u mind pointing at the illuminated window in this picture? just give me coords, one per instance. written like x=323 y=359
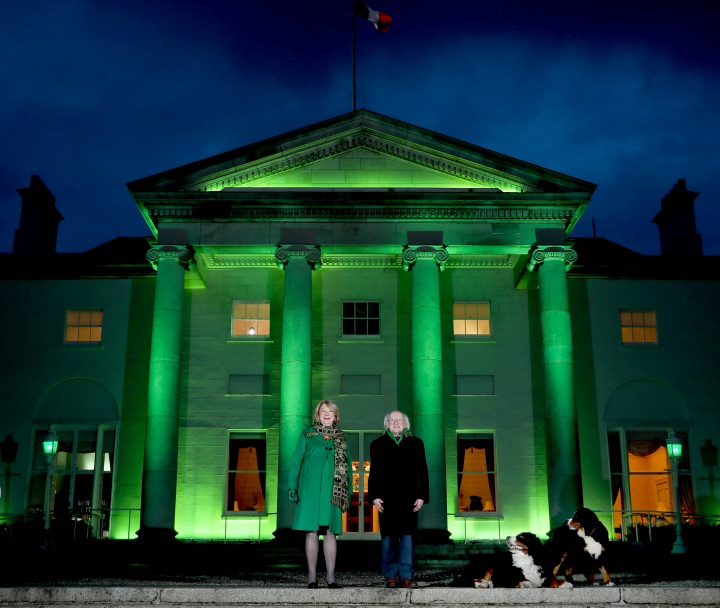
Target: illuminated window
x=471 y=318
x=82 y=477
x=638 y=326
x=83 y=326
x=642 y=486
x=361 y=318
x=476 y=472
x=246 y=473
x=251 y=318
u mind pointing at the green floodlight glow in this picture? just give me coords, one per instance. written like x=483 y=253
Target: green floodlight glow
x=674 y=447
x=50 y=444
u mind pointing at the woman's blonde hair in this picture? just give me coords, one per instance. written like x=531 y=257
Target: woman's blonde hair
x=332 y=406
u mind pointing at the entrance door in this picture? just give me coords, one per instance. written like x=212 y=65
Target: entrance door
x=361 y=521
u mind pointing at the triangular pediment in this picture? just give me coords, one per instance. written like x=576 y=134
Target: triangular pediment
x=361 y=150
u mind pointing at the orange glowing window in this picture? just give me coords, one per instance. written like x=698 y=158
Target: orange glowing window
x=250 y=318
x=83 y=326
x=638 y=326
x=471 y=318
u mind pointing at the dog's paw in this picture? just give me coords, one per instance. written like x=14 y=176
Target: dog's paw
x=483 y=584
x=609 y=584
x=566 y=585
x=525 y=585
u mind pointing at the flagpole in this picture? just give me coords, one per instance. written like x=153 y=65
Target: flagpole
x=353 y=56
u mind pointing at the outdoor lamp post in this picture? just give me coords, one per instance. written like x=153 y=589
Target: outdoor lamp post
x=674 y=448
x=50 y=445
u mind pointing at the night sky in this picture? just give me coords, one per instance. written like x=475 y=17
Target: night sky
x=621 y=93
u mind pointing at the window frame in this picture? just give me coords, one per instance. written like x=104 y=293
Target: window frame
x=495 y=513
x=98 y=471
x=83 y=343
x=263 y=435
x=644 y=343
x=477 y=336
x=356 y=336
x=685 y=467
x=250 y=337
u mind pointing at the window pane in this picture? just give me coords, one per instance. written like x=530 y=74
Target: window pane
x=264 y=328
x=475 y=452
x=649 y=318
x=625 y=318
x=251 y=311
x=251 y=327
x=84 y=334
x=238 y=328
x=348 y=310
x=72 y=334
x=97 y=317
x=361 y=309
x=361 y=327
x=483 y=327
x=373 y=310
x=458 y=327
x=650 y=334
x=373 y=327
x=471 y=310
x=264 y=310
x=95 y=333
x=627 y=334
x=85 y=317
x=73 y=317
x=458 y=310
x=471 y=327
x=246 y=474
x=348 y=327
x=239 y=310
x=637 y=318
x=483 y=310
x=651 y=492
x=476 y=492
x=638 y=334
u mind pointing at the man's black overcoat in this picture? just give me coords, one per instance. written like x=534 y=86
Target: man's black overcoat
x=398 y=476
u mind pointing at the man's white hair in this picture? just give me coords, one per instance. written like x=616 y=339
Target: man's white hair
x=403 y=414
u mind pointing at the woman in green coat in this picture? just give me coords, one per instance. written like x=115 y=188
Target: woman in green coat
x=318 y=485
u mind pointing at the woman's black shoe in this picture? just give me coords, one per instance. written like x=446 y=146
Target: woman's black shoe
x=334 y=585
x=312 y=585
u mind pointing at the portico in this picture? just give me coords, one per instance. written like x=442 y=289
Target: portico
x=321 y=221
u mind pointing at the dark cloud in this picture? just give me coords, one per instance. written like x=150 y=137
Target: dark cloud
x=623 y=94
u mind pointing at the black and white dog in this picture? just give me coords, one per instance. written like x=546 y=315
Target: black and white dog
x=580 y=546
x=525 y=565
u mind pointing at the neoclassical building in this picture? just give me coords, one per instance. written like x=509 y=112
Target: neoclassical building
x=383 y=266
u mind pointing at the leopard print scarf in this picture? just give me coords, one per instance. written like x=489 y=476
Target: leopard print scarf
x=340 y=490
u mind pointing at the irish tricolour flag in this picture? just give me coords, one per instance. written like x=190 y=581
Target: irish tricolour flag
x=381 y=21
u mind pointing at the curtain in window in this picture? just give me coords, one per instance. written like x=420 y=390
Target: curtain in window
x=643 y=447
x=479 y=457
x=248 y=489
x=615 y=467
x=687 y=500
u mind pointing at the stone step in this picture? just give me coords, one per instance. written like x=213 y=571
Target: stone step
x=217 y=596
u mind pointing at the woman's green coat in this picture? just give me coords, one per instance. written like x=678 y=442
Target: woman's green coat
x=311 y=475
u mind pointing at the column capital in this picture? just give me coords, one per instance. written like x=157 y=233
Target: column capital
x=412 y=254
x=311 y=253
x=547 y=252
x=183 y=255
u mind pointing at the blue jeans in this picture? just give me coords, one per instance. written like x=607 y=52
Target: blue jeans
x=393 y=565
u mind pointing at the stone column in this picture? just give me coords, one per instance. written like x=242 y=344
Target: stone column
x=298 y=261
x=563 y=455
x=159 y=481
x=426 y=262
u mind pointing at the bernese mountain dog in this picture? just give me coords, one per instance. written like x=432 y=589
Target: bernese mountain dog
x=525 y=565
x=580 y=546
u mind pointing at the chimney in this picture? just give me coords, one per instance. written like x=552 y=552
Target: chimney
x=39 y=219
x=676 y=222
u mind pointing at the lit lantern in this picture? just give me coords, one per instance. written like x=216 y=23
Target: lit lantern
x=50 y=445
x=674 y=447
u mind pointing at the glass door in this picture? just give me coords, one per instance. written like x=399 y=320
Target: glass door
x=361 y=521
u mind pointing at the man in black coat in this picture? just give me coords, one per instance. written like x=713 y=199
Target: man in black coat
x=398 y=486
